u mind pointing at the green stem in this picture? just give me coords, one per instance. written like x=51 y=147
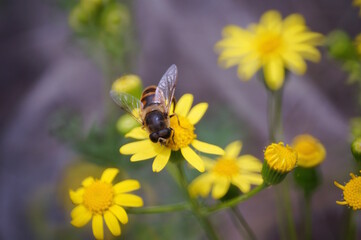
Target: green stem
x=160 y=209
x=308 y=217
x=275 y=115
x=288 y=207
x=234 y=201
x=195 y=205
x=237 y=213
x=349 y=228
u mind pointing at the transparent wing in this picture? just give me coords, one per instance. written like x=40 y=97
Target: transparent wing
x=128 y=103
x=165 y=90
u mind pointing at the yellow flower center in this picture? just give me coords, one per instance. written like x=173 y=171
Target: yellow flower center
x=183 y=133
x=352 y=192
x=268 y=43
x=98 y=197
x=226 y=167
x=280 y=158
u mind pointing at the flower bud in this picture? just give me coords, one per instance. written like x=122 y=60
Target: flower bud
x=130 y=84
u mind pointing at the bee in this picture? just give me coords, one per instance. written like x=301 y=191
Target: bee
x=152 y=110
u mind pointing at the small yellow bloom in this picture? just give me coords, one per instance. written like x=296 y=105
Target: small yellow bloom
x=310 y=150
x=351 y=192
x=241 y=171
x=280 y=158
x=183 y=136
x=99 y=199
x=129 y=84
x=357 y=3
x=126 y=123
x=273 y=44
x=358 y=43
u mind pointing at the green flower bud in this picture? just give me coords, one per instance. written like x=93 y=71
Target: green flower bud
x=356 y=149
x=307 y=178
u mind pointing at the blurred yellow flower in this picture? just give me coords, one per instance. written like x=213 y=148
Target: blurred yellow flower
x=131 y=84
x=183 y=136
x=273 y=44
x=310 y=150
x=351 y=192
x=126 y=123
x=280 y=157
x=358 y=42
x=357 y=3
x=99 y=199
x=241 y=171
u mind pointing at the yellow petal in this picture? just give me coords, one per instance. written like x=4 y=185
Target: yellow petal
x=112 y=223
x=128 y=200
x=82 y=219
x=109 y=174
x=76 y=196
x=253 y=178
x=147 y=154
x=201 y=185
x=126 y=186
x=161 y=160
x=240 y=182
x=271 y=19
x=294 y=62
x=197 y=113
x=208 y=163
x=135 y=147
x=247 y=69
x=87 y=182
x=138 y=133
x=120 y=213
x=274 y=73
x=78 y=211
x=192 y=158
x=293 y=19
x=308 y=52
x=220 y=188
x=184 y=104
x=97 y=225
x=249 y=163
x=233 y=149
x=207 y=148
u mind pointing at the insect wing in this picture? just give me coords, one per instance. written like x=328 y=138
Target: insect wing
x=128 y=103
x=166 y=87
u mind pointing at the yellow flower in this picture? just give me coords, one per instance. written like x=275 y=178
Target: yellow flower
x=126 y=123
x=310 y=150
x=273 y=45
x=129 y=84
x=358 y=41
x=357 y=3
x=99 y=199
x=280 y=157
x=241 y=171
x=183 y=136
x=351 y=192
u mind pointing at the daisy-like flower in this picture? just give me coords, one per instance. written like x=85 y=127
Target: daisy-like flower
x=183 y=137
x=278 y=161
x=357 y=3
x=99 y=199
x=241 y=171
x=273 y=44
x=351 y=192
x=310 y=150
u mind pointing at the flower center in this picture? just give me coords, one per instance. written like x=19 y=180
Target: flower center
x=226 y=167
x=183 y=133
x=98 y=197
x=281 y=158
x=269 y=43
x=352 y=193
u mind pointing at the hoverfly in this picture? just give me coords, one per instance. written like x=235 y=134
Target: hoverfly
x=152 y=110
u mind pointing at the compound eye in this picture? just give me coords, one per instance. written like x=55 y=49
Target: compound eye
x=154 y=137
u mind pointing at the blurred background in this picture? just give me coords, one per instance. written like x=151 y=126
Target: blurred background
x=55 y=78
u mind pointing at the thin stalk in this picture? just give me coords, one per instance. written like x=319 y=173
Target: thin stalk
x=160 y=209
x=288 y=207
x=349 y=228
x=308 y=218
x=195 y=207
x=237 y=213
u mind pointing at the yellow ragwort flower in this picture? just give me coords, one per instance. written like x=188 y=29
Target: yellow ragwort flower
x=351 y=192
x=130 y=83
x=357 y=3
x=358 y=42
x=99 y=199
x=310 y=150
x=183 y=136
x=241 y=171
x=273 y=44
x=280 y=158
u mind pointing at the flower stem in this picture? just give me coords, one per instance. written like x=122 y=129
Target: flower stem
x=288 y=207
x=160 y=209
x=195 y=205
x=308 y=217
x=234 y=201
x=237 y=213
x=349 y=228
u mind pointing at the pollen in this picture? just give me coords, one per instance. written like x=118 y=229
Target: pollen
x=98 y=197
x=226 y=167
x=351 y=192
x=183 y=133
x=269 y=43
x=280 y=157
